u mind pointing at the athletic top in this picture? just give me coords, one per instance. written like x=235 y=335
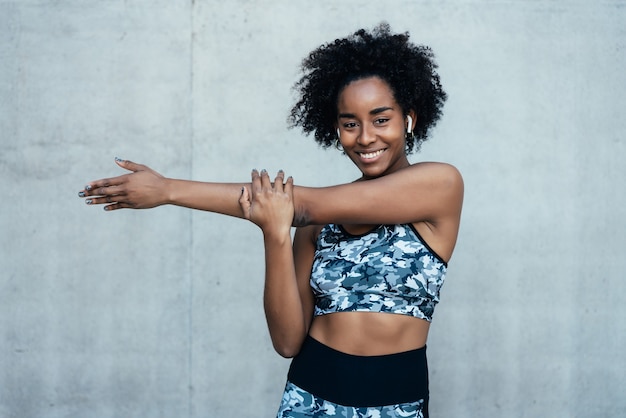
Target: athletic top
x=388 y=269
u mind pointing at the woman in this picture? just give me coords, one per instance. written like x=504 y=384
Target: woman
x=352 y=297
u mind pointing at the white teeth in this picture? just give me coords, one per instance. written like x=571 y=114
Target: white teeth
x=370 y=155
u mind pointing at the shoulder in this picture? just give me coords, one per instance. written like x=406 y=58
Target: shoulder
x=434 y=168
x=435 y=175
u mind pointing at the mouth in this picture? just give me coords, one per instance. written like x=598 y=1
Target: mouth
x=370 y=155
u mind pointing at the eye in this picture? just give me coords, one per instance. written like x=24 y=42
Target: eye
x=349 y=125
x=381 y=121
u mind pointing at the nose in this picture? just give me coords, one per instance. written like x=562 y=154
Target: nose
x=367 y=135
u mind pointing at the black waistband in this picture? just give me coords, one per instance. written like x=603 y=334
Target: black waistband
x=352 y=380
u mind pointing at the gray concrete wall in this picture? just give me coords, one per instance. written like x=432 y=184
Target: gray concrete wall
x=158 y=313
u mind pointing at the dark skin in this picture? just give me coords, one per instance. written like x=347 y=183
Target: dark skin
x=372 y=129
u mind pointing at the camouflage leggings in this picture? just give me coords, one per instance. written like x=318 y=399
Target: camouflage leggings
x=298 y=403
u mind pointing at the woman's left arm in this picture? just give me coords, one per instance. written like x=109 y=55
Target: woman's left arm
x=288 y=306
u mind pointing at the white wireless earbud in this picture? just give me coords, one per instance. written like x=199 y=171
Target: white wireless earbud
x=338 y=133
x=409 y=124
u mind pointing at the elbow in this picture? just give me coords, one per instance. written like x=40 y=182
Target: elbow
x=302 y=206
x=301 y=217
x=287 y=349
x=286 y=353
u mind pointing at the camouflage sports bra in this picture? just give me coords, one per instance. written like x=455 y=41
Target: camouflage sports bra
x=389 y=269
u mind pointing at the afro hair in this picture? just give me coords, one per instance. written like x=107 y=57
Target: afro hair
x=409 y=70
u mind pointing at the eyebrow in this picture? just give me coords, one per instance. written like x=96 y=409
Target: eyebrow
x=375 y=111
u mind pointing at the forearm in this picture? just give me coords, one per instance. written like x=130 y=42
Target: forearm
x=220 y=198
x=282 y=301
x=223 y=198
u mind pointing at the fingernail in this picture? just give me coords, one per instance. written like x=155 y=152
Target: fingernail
x=89 y=201
x=263 y=171
x=107 y=208
x=87 y=187
x=281 y=171
x=81 y=194
x=118 y=159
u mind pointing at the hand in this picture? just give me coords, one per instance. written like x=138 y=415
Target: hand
x=270 y=206
x=143 y=188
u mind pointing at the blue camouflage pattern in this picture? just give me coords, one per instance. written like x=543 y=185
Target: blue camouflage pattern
x=389 y=269
x=298 y=403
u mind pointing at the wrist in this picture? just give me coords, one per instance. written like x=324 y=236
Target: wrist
x=278 y=237
x=169 y=191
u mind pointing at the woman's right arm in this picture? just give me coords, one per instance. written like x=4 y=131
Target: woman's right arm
x=424 y=192
x=144 y=188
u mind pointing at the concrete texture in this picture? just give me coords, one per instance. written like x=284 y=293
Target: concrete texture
x=158 y=313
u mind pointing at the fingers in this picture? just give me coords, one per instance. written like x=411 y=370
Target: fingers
x=103 y=200
x=116 y=206
x=129 y=165
x=278 y=182
x=261 y=181
x=100 y=187
x=104 y=191
x=110 y=202
x=289 y=186
x=265 y=180
x=256 y=182
x=106 y=196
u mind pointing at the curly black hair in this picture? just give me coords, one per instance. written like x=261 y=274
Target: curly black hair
x=409 y=69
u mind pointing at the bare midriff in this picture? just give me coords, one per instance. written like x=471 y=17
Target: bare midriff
x=370 y=333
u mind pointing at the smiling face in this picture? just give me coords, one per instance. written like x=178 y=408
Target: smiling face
x=372 y=127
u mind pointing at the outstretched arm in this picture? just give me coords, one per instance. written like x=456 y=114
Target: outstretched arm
x=144 y=188
x=424 y=192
